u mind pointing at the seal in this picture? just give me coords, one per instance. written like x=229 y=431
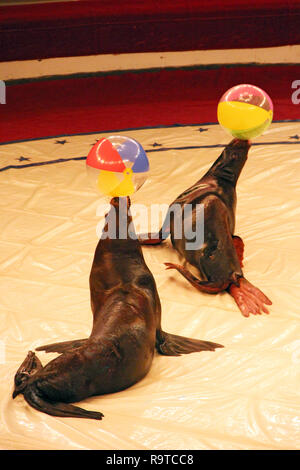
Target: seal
x=125 y=333
x=219 y=258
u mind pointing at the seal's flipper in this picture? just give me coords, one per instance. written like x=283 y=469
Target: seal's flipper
x=154 y=238
x=64 y=410
x=168 y=344
x=150 y=239
x=62 y=347
x=249 y=298
x=203 y=286
x=239 y=248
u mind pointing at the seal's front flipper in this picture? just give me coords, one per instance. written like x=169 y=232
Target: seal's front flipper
x=239 y=248
x=203 y=286
x=249 y=298
x=154 y=238
x=62 y=347
x=150 y=239
x=174 y=345
x=64 y=410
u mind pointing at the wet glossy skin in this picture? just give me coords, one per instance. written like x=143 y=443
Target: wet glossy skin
x=126 y=330
x=216 y=260
x=219 y=258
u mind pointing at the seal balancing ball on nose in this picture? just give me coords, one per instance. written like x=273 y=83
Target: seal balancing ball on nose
x=245 y=111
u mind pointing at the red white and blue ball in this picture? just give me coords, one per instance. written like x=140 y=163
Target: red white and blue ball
x=117 y=166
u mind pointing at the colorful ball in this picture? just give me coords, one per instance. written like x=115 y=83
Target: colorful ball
x=245 y=111
x=117 y=166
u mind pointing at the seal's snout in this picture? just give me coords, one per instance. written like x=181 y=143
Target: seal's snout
x=118 y=201
x=114 y=201
x=240 y=143
x=16 y=393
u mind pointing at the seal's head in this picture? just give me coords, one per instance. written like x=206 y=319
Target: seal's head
x=230 y=163
x=27 y=369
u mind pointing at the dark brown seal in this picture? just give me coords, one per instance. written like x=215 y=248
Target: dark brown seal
x=219 y=258
x=126 y=330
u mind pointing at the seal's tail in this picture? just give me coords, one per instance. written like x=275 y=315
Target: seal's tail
x=174 y=345
x=64 y=410
x=203 y=286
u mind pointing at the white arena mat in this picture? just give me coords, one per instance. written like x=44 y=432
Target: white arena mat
x=244 y=396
